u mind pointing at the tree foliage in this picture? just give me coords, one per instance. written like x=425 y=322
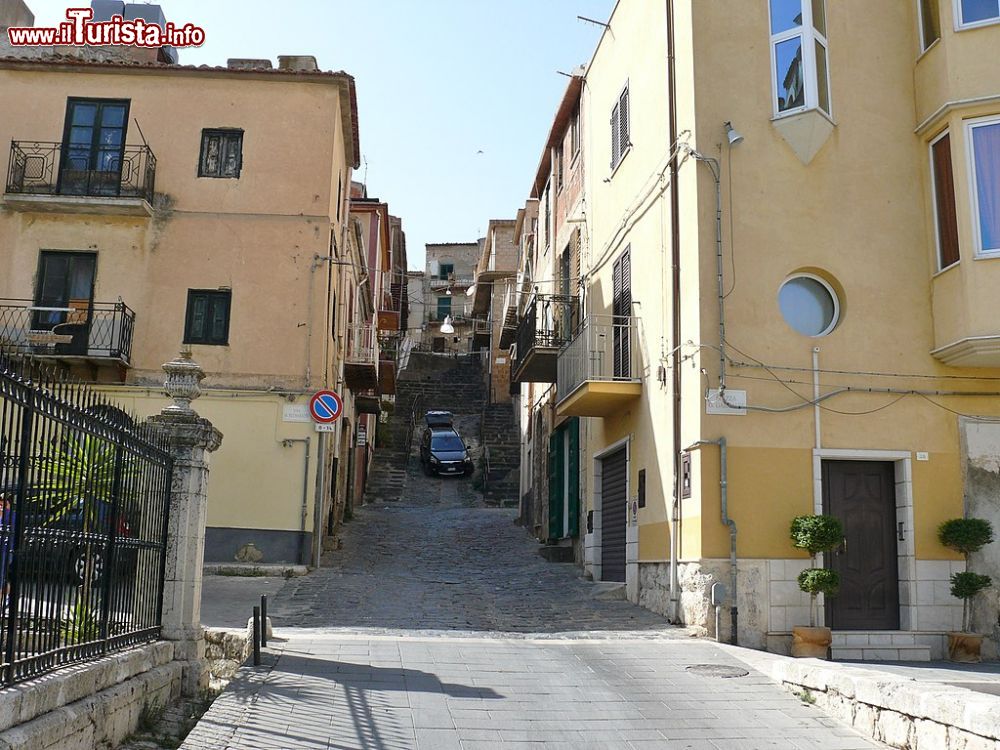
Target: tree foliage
x=815 y=581
x=965 y=535
x=816 y=534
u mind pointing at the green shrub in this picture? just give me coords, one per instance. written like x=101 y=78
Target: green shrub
x=966 y=585
x=815 y=581
x=816 y=534
x=965 y=535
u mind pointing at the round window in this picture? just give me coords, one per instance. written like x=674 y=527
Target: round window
x=809 y=305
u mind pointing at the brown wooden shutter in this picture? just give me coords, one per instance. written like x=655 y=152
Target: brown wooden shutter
x=621 y=309
x=624 y=135
x=944 y=195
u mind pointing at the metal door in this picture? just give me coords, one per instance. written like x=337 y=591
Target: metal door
x=614 y=470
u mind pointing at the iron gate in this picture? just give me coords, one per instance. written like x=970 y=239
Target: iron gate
x=84 y=495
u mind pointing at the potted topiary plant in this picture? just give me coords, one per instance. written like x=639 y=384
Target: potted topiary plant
x=966 y=535
x=815 y=534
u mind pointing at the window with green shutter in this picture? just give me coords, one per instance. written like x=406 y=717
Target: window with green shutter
x=207 y=318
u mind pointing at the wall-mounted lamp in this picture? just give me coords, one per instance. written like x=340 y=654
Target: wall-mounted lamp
x=734 y=136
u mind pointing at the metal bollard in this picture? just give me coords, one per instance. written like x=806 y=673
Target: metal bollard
x=256 y=636
x=263 y=620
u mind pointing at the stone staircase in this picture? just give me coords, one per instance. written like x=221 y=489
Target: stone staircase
x=501 y=436
x=429 y=382
x=886 y=645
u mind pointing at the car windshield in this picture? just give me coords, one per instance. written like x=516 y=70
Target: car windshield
x=447 y=443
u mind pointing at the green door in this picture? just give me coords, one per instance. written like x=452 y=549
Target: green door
x=555 y=485
x=573 y=467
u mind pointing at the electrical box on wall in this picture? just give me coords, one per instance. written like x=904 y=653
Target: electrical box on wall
x=735 y=402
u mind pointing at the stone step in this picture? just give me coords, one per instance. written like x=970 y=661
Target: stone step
x=884 y=645
x=880 y=653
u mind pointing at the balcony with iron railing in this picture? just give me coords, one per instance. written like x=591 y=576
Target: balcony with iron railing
x=599 y=371
x=361 y=361
x=547 y=325
x=49 y=176
x=98 y=333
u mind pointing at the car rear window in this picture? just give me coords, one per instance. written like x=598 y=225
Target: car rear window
x=447 y=443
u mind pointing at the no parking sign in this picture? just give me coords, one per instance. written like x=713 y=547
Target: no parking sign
x=325 y=408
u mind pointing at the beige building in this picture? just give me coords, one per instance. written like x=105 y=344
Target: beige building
x=150 y=206
x=449 y=273
x=495 y=279
x=549 y=232
x=789 y=314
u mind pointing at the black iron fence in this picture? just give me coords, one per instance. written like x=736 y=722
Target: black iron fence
x=48 y=168
x=84 y=495
x=87 y=329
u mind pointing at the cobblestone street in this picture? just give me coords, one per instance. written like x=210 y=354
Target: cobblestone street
x=437 y=626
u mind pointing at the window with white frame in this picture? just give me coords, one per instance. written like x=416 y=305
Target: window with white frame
x=799 y=61
x=620 y=136
x=930 y=28
x=983 y=137
x=976 y=12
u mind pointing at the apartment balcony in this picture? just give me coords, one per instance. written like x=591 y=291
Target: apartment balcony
x=388 y=323
x=94 y=333
x=361 y=362
x=598 y=372
x=437 y=283
x=51 y=177
x=545 y=328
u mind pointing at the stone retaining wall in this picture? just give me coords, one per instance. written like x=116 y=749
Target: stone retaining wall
x=901 y=712
x=90 y=705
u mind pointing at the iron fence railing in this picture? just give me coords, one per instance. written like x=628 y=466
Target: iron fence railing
x=84 y=496
x=87 y=329
x=548 y=322
x=52 y=168
x=361 y=344
x=604 y=348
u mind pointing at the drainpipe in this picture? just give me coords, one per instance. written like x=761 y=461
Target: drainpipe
x=675 y=258
x=287 y=443
x=724 y=501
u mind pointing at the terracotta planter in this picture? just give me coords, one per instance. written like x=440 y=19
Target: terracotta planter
x=811 y=643
x=965 y=647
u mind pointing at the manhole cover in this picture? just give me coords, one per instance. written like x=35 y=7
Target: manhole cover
x=717 y=670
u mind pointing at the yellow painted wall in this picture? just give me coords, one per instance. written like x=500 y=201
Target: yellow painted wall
x=255 y=482
x=857 y=215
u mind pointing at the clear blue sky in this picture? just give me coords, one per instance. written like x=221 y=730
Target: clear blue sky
x=438 y=80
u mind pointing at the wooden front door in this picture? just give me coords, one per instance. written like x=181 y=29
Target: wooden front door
x=862 y=495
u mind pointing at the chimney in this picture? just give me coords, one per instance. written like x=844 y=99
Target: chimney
x=297 y=62
x=248 y=63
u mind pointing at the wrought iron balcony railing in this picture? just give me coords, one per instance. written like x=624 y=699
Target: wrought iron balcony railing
x=361 y=345
x=96 y=330
x=547 y=325
x=47 y=168
x=605 y=348
x=548 y=322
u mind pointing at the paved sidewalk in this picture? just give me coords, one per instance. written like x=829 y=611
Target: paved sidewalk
x=338 y=692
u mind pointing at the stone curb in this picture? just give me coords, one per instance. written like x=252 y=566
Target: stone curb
x=252 y=570
x=897 y=710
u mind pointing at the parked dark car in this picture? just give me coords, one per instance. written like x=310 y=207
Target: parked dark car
x=60 y=543
x=442 y=451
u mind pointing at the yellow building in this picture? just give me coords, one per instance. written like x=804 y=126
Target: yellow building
x=149 y=206
x=792 y=230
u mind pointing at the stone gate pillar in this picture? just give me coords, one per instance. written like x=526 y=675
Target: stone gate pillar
x=191 y=439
